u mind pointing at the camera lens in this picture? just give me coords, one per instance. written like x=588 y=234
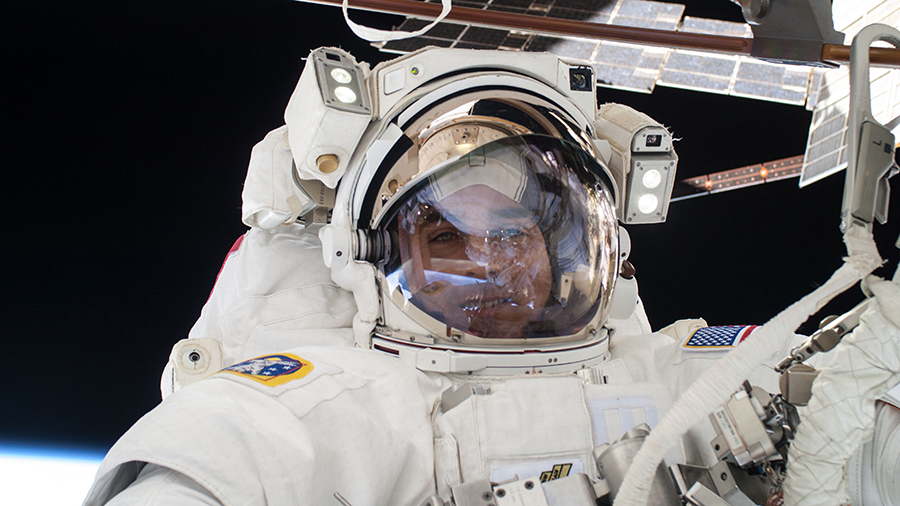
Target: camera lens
x=580 y=79
x=654 y=141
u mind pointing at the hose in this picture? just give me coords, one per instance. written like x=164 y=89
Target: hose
x=719 y=382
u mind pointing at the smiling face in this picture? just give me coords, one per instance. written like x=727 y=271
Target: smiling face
x=515 y=240
x=477 y=262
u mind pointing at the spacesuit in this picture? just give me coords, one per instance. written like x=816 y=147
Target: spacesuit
x=460 y=312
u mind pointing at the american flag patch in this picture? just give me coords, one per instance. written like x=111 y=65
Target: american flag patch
x=726 y=336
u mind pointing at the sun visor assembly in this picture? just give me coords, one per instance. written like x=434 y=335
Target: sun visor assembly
x=400 y=77
x=642 y=160
x=327 y=115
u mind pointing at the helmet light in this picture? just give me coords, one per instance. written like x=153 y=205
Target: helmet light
x=648 y=203
x=651 y=179
x=340 y=75
x=345 y=94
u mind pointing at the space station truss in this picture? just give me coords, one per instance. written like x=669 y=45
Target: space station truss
x=640 y=68
x=627 y=66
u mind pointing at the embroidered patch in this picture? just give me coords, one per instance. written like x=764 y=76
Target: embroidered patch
x=272 y=370
x=726 y=336
x=522 y=470
x=558 y=471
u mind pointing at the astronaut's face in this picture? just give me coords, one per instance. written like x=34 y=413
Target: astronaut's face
x=516 y=239
x=478 y=263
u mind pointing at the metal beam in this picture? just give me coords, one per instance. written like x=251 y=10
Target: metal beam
x=741 y=177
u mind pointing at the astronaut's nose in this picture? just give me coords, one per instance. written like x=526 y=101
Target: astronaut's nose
x=476 y=273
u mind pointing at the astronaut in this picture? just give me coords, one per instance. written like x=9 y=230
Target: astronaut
x=454 y=318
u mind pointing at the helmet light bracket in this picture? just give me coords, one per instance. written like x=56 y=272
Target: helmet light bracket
x=322 y=119
x=642 y=160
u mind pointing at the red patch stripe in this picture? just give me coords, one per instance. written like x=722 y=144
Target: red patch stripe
x=747 y=332
x=234 y=249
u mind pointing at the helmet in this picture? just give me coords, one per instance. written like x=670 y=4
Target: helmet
x=476 y=220
x=514 y=240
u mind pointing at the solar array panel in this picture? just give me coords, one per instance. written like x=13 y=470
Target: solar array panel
x=699 y=71
x=631 y=67
x=826 y=148
x=627 y=66
x=640 y=68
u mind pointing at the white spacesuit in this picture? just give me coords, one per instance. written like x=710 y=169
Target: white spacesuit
x=475 y=323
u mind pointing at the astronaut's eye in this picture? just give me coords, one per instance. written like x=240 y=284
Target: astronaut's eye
x=444 y=237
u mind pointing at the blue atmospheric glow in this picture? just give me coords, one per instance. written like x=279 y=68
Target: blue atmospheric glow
x=40 y=476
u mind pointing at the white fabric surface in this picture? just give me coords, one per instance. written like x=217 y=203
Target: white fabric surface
x=369 y=427
x=714 y=386
x=159 y=486
x=364 y=424
x=869 y=484
x=362 y=429
x=274 y=293
x=269 y=183
x=841 y=413
x=886 y=444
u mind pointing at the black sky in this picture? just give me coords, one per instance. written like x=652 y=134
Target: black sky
x=126 y=130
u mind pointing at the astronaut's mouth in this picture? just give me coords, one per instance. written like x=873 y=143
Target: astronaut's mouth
x=480 y=306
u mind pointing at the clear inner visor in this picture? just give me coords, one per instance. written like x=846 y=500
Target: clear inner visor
x=516 y=239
